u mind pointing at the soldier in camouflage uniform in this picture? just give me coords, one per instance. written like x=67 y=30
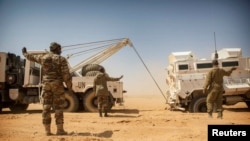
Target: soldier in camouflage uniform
x=213 y=87
x=101 y=91
x=55 y=71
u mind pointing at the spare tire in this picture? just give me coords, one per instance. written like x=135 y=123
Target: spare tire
x=91 y=67
x=92 y=73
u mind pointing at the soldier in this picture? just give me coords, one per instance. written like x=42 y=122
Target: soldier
x=55 y=71
x=101 y=90
x=213 y=87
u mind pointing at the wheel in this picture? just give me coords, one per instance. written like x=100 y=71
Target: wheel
x=92 y=73
x=198 y=104
x=71 y=103
x=111 y=101
x=18 y=107
x=1 y=107
x=90 y=102
x=248 y=104
x=1 y=104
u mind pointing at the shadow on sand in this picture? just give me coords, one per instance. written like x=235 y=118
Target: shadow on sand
x=237 y=109
x=22 y=112
x=104 y=134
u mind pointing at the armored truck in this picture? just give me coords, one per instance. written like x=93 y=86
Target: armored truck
x=186 y=75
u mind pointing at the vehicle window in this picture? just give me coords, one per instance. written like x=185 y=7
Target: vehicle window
x=183 y=67
x=204 y=65
x=230 y=64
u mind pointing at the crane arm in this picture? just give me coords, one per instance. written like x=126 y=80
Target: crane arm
x=101 y=56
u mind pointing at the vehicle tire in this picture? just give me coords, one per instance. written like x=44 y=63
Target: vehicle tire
x=90 y=102
x=111 y=101
x=1 y=107
x=71 y=103
x=18 y=107
x=198 y=105
x=90 y=67
x=1 y=104
x=92 y=73
x=248 y=104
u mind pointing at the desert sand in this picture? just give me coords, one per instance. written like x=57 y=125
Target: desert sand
x=141 y=118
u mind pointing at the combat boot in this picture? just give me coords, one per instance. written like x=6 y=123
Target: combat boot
x=220 y=115
x=47 y=129
x=210 y=115
x=100 y=113
x=105 y=113
x=60 y=130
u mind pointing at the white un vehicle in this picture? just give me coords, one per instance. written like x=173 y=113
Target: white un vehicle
x=186 y=75
x=20 y=79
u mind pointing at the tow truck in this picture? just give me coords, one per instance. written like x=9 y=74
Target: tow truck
x=20 y=79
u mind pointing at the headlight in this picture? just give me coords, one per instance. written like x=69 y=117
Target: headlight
x=11 y=78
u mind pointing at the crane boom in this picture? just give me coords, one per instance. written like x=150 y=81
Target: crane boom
x=101 y=56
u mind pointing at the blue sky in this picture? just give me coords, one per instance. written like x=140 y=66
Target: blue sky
x=156 y=28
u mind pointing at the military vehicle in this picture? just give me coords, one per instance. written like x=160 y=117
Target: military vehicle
x=20 y=79
x=186 y=75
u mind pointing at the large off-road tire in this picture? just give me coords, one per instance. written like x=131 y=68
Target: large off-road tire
x=248 y=104
x=18 y=107
x=92 y=73
x=111 y=102
x=1 y=104
x=71 y=103
x=90 y=102
x=198 y=105
x=91 y=67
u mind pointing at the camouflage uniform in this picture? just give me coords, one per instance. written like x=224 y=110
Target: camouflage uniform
x=55 y=71
x=101 y=91
x=213 y=87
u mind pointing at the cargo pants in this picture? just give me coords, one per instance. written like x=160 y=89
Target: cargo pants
x=53 y=97
x=102 y=102
x=214 y=98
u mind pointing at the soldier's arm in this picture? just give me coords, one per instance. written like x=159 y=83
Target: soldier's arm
x=34 y=58
x=228 y=73
x=112 y=78
x=207 y=82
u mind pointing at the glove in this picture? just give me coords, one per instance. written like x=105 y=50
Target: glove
x=24 y=50
x=234 y=68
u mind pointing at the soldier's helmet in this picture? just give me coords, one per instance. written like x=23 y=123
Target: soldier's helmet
x=54 y=46
x=215 y=62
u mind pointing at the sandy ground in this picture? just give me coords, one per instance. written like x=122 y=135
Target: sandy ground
x=139 y=119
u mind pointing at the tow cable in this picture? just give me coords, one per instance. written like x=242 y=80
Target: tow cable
x=149 y=72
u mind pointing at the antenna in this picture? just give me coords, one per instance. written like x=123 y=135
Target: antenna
x=216 y=56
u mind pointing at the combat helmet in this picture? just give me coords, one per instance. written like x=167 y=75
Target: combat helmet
x=215 y=62
x=54 y=46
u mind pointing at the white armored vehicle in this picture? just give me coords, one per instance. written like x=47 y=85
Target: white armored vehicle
x=186 y=76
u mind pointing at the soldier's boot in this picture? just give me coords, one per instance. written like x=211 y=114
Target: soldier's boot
x=210 y=115
x=47 y=129
x=220 y=115
x=105 y=113
x=60 y=130
x=100 y=113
